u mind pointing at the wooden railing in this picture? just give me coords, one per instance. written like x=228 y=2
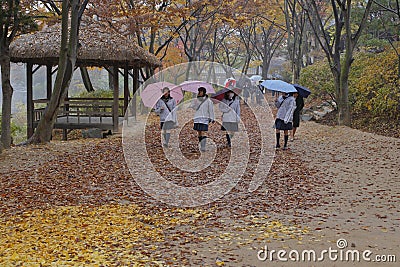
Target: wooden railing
x=39 y=111
x=81 y=107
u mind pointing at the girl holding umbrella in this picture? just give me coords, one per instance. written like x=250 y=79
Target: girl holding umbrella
x=165 y=107
x=296 y=114
x=284 y=117
x=230 y=108
x=203 y=116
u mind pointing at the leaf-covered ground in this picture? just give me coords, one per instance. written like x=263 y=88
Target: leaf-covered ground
x=75 y=203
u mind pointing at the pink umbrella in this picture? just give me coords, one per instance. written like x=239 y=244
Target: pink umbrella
x=153 y=92
x=193 y=86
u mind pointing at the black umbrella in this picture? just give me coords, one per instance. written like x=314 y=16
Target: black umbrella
x=303 y=91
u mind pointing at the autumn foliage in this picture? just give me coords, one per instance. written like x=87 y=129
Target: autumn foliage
x=373 y=83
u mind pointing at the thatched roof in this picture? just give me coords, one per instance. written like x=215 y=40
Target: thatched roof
x=98 y=46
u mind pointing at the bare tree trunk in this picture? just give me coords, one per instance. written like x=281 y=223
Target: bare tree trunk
x=66 y=66
x=342 y=14
x=343 y=103
x=86 y=79
x=269 y=48
x=265 y=65
x=246 y=65
x=110 y=72
x=288 y=11
x=7 y=97
x=10 y=19
x=298 y=52
x=398 y=66
x=344 y=111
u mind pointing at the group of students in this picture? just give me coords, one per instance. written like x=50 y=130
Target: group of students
x=287 y=117
x=251 y=91
x=204 y=115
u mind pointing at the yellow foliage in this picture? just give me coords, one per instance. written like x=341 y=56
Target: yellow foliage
x=174 y=56
x=255 y=63
x=72 y=236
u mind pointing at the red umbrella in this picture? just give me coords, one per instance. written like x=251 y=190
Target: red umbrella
x=230 y=83
x=220 y=94
x=153 y=92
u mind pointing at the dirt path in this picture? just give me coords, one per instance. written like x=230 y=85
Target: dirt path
x=365 y=169
x=364 y=209
x=361 y=207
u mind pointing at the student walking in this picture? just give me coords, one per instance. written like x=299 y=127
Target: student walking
x=230 y=108
x=296 y=114
x=165 y=107
x=203 y=116
x=284 y=118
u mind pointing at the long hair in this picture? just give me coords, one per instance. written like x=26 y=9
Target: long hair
x=226 y=95
x=204 y=90
x=163 y=97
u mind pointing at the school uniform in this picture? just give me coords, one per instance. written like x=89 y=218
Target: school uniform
x=284 y=116
x=165 y=108
x=297 y=111
x=203 y=116
x=204 y=113
x=168 y=117
x=230 y=109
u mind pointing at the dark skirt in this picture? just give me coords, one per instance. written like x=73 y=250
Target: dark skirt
x=281 y=125
x=230 y=126
x=296 y=119
x=168 y=125
x=200 y=127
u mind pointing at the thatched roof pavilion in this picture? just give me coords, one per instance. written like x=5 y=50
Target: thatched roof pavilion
x=99 y=46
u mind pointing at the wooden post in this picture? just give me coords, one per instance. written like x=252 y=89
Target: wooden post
x=134 y=90
x=116 y=99
x=126 y=90
x=29 y=102
x=49 y=82
x=65 y=134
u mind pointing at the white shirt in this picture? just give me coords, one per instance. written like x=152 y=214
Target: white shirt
x=204 y=110
x=163 y=109
x=286 y=109
x=230 y=110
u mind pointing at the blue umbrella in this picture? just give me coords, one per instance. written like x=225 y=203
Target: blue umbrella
x=256 y=78
x=278 y=85
x=303 y=91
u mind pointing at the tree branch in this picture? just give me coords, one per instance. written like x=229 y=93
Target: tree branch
x=82 y=9
x=363 y=22
x=52 y=6
x=388 y=8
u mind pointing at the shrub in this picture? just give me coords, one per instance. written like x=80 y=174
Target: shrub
x=377 y=85
x=100 y=93
x=18 y=132
x=374 y=85
x=318 y=77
